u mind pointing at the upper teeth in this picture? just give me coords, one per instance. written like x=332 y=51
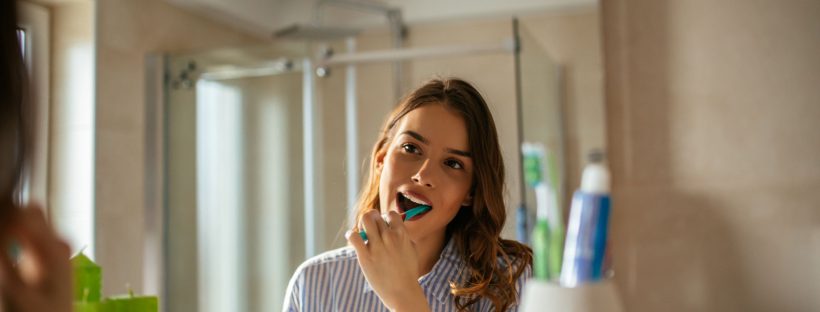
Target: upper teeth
x=415 y=200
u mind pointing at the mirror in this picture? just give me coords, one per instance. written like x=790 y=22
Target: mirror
x=261 y=163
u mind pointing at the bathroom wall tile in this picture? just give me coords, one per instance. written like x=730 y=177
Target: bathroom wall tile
x=711 y=118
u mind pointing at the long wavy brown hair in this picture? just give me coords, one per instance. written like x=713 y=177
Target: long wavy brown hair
x=476 y=229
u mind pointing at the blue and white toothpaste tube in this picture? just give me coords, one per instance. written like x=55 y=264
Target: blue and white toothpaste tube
x=588 y=226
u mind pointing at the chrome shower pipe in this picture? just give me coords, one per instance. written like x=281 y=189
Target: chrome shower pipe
x=504 y=46
x=312 y=166
x=276 y=67
x=351 y=134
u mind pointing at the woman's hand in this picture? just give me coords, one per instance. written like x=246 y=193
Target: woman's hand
x=42 y=279
x=390 y=262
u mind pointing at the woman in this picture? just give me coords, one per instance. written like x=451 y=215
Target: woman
x=439 y=148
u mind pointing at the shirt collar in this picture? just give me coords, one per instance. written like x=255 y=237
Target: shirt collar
x=437 y=282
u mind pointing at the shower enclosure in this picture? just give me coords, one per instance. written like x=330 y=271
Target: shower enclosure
x=258 y=153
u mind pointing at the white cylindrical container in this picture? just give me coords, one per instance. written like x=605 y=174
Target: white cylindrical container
x=543 y=296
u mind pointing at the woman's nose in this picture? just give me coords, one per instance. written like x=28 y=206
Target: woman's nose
x=423 y=176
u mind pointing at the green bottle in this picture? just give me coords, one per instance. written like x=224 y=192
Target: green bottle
x=130 y=303
x=87 y=279
x=547 y=234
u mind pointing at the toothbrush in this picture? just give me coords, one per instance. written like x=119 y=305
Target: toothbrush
x=409 y=214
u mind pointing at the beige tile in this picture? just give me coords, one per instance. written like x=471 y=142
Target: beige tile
x=715 y=250
x=711 y=111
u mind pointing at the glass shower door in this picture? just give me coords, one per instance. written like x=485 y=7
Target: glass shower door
x=234 y=218
x=541 y=113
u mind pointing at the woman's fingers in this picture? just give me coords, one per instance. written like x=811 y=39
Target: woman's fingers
x=381 y=222
x=389 y=260
x=17 y=295
x=43 y=273
x=383 y=230
x=13 y=288
x=370 y=224
x=384 y=233
x=36 y=234
x=395 y=234
x=47 y=254
x=395 y=220
x=9 y=278
x=357 y=242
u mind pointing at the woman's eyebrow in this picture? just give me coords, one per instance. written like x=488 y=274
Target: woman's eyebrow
x=459 y=152
x=424 y=140
x=416 y=135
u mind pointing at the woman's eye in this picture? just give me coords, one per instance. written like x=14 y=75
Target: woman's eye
x=410 y=148
x=453 y=164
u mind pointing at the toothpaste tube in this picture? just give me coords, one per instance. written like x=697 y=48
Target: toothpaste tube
x=585 y=246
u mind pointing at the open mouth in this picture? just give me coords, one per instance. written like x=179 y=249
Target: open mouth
x=406 y=203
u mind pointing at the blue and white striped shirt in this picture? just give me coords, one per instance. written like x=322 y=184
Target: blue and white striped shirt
x=333 y=281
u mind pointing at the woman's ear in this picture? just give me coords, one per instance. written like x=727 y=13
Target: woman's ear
x=380 y=159
x=468 y=201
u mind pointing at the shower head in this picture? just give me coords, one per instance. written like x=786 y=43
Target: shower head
x=309 y=32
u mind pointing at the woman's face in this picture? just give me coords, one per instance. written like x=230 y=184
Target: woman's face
x=427 y=162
